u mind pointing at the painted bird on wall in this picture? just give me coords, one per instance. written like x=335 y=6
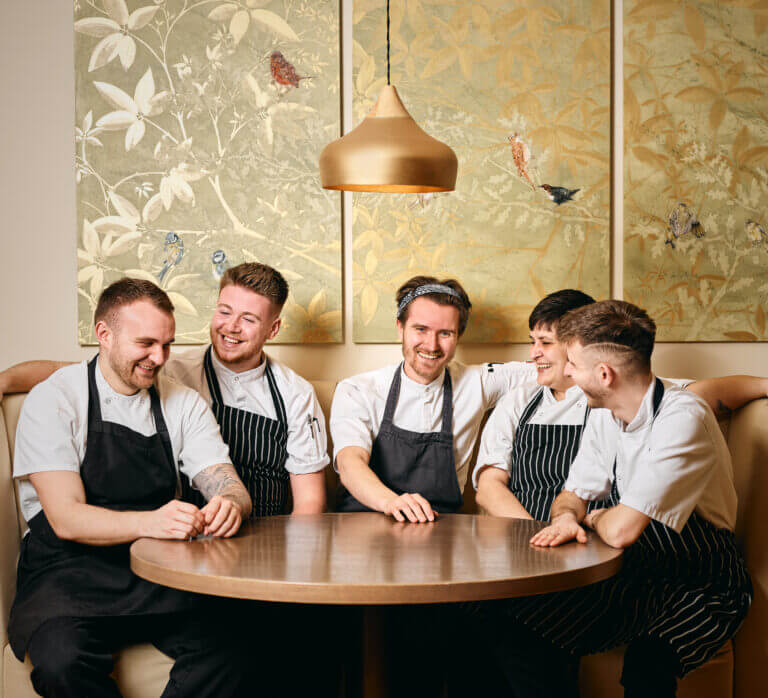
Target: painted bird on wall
x=283 y=72
x=756 y=233
x=174 y=251
x=682 y=221
x=219 y=264
x=559 y=194
x=521 y=156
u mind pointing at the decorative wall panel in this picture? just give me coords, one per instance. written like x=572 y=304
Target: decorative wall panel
x=521 y=92
x=695 y=165
x=199 y=124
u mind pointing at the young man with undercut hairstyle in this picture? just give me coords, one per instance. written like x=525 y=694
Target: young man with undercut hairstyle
x=99 y=449
x=656 y=453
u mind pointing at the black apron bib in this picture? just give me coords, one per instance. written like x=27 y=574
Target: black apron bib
x=408 y=461
x=124 y=471
x=690 y=589
x=257 y=447
x=541 y=458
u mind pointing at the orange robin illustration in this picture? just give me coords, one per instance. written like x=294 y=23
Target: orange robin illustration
x=283 y=72
x=521 y=156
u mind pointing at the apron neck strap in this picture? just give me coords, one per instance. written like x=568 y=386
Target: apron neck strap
x=94 y=407
x=277 y=398
x=394 y=394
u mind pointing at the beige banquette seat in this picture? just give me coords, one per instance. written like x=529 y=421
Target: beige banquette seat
x=141 y=671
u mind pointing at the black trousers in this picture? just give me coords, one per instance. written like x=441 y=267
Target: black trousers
x=73 y=657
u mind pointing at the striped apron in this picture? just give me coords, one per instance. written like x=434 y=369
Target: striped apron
x=257 y=447
x=689 y=589
x=541 y=457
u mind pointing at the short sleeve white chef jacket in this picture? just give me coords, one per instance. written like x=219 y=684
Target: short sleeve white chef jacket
x=249 y=390
x=358 y=405
x=499 y=433
x=666 y=467
x=53 y=426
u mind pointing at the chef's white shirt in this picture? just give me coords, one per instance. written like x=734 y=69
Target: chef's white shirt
x=665 y=468
x=499 y=432
x=249 y=390
x=53 y=426
x=359 y=401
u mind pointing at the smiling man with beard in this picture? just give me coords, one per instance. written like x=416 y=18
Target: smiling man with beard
x=403 y=434
x=99 y=449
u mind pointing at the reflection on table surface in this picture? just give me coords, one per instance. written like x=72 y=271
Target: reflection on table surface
x=370 y=558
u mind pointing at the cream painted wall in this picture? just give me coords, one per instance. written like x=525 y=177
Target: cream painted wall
x=37 y=194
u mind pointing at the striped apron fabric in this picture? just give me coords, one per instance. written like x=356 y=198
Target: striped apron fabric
x=257 y=447
x=689 y=589
x=541 y=457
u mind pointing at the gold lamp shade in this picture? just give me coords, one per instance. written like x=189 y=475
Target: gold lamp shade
x=388 y=152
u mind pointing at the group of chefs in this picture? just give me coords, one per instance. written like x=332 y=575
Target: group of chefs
x=136 y=442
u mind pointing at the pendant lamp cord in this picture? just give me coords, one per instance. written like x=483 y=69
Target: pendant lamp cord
x=388 y=42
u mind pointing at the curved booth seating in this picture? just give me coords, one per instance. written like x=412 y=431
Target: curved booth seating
x=142 y=671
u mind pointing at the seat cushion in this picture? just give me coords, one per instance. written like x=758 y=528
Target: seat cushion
x=140 y=671
x=599 y=676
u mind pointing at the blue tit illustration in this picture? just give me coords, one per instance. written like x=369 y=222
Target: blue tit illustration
x=682 y=221
x=756 y=233
x=219 y=264
x=174 y=251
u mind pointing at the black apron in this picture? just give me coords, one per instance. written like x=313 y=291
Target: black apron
x=541 y=458
x=257 y=447
x=124 y=471
x=409 y=461
x=690 y=589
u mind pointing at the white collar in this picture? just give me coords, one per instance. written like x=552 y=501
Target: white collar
x=251 y=374
x=106 y=391
x=411 y=384
x=573 y=394
x=644 y=414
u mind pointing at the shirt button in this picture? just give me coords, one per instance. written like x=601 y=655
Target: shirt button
x=108 y=400
x=237 y=379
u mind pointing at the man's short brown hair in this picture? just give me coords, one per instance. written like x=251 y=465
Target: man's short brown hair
x=126 y=291
x=259 y=278
x=462 y=303
x=614 y=326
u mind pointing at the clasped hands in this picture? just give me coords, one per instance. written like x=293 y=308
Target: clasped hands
x=220 y=517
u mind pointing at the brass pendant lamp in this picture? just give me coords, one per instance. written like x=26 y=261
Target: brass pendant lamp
x=388 y=152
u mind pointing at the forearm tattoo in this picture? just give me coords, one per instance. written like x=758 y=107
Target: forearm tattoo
x=222 y=480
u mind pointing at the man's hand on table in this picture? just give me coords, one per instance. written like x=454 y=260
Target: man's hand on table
x=563 y=529
x=410 y=506
x=222 y=517
x=175 y=520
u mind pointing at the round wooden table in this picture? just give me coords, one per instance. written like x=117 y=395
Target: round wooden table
x=371 y=559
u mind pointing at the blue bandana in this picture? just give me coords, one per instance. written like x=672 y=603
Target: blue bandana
x=424 y=290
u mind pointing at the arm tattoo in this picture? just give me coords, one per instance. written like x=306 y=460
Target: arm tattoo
x=224 y=481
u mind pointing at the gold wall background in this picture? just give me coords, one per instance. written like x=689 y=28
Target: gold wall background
x=39 y=238
x=695 y=166
x=474 y=74
x=195 y=150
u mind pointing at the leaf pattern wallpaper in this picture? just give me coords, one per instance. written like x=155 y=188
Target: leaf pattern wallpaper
x=199 y=123
x=696 y=167
x=521 y=92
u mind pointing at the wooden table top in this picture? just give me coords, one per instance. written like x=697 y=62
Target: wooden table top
x=369 y=558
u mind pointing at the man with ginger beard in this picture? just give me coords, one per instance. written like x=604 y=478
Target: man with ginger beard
x=403 y=439
x=99 y=449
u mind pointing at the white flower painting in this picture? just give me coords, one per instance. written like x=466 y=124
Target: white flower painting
x=199 y=124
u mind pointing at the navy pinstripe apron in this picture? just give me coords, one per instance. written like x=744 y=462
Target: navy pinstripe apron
x=689 y=589
x=409 y=461
x=257 y=446
x=541 y=457
x=122 y=470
